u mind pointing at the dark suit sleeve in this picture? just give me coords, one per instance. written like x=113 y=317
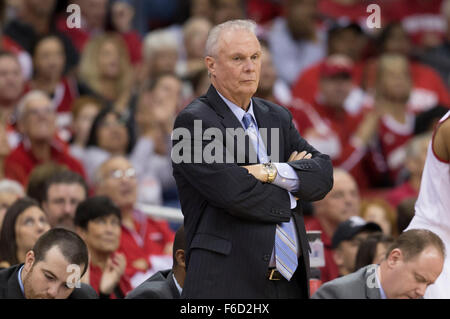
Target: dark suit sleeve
x=315 y=174
x=227 y=185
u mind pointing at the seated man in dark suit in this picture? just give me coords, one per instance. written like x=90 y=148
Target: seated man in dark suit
x=165 y=284
x=413 y=262
x=52 y=270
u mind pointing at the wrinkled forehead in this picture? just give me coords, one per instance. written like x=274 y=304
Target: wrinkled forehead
x=237 y=39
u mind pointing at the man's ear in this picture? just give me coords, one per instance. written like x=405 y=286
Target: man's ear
x=395 y=256
x=180 y=257
x=29 y=260
x=210 y=63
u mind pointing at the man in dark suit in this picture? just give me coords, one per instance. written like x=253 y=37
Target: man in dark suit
x=244 y=238
x=413 y=262
x=165 y=284
x=52 y=270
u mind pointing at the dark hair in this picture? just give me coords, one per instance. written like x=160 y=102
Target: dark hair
x=93 y=140
x=8 y=244
x=386 y=33
x=178 y=243
x=71 y=245
x=414 y=241
x=426 y=120
x=93 y=208
x=65 y=177
x=36 y=187
x=41 y=38
x=368 y=248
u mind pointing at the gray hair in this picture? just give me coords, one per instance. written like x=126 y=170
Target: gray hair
x=26 y=99
x=11 y=186
x=232 y=25
x=159 y=40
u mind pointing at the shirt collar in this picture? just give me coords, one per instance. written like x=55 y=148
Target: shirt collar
x=19 y=278
x=238 y=111
x=382 y=293
x=177 y=284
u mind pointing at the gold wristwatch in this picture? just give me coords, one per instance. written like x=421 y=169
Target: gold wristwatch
x=271 y=171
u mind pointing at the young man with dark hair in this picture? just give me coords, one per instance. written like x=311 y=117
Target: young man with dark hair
x=52 y=270
x=97 y=220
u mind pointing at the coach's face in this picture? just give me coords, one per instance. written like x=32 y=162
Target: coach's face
x=236 y=65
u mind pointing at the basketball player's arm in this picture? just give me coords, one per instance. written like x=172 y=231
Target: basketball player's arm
x=441 y=141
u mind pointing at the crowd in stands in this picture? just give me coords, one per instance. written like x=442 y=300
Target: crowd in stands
x=86 y=116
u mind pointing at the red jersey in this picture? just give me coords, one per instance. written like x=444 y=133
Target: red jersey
x=427 y=91
x=150 y=237
x=330 y=271
x=393 y=137
x=331 y=131
x=21 y=161
x=420 y=18
x=95 y=275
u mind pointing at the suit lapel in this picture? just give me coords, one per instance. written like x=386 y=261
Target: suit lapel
x=229 y=121
x=171 y=283
x=14 y=291
x=371 y=284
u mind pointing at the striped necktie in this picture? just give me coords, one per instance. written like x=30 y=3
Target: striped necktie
x=285 y=247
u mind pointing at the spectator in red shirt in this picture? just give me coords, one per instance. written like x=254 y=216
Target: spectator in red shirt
x=339 y=205
x=422 y=20
x=97 y=221
x=144 y=240
x=427 y=89
x=342 y=38
x=36 y=121
x=341 y=131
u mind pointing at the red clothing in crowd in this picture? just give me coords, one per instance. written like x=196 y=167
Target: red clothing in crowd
x=355 y=12
x=428 y=88
x=392 y=140
x=80 y=36
x=21 y=161
x=420 y=18
x=150 y=237
x=65 y=93
x=331 y=132
x=330 y=271
x=400 y=193
x=95 y=275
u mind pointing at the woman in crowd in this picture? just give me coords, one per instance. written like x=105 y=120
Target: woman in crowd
x=105 y=67
x=23 y=224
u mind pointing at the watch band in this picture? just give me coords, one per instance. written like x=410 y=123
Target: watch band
x=271 y=171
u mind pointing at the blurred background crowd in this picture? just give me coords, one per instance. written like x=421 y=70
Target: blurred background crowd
x=89 y=111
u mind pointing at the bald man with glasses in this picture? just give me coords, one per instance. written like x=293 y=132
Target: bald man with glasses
x=143 y=238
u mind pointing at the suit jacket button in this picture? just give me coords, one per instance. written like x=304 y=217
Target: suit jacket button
x=266 y=257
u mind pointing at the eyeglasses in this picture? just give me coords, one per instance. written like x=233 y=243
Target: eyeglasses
x=128 y=173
